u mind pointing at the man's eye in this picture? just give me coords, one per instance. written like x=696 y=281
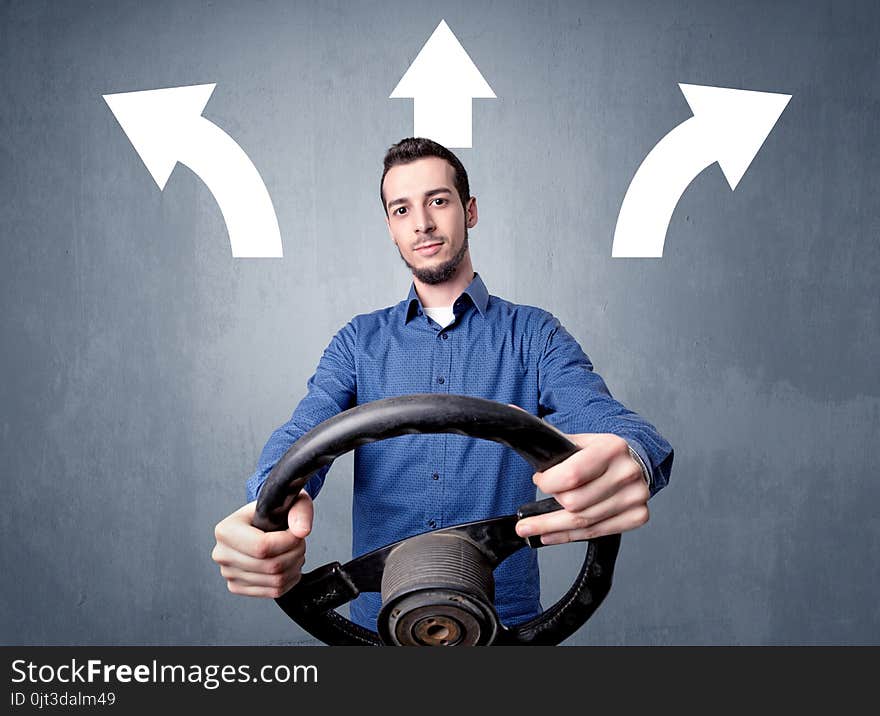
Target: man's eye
x=400 y=208
x=439 y=198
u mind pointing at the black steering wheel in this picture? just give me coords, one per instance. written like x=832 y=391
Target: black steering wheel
x=437 y=587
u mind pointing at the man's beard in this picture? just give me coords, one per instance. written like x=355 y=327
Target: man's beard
x=441 y=273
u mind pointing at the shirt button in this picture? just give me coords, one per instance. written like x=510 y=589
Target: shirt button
x=435 y=476
x=432 y=524
x=444 y=336
x=441 y=380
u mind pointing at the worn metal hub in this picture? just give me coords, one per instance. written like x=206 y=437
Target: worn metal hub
x=438 y=590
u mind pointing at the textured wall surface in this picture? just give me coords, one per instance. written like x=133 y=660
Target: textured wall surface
x=143 y=367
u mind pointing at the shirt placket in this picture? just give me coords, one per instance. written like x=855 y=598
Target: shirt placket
x=441 y=374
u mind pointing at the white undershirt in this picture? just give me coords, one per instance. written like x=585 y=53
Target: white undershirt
x=442 y=315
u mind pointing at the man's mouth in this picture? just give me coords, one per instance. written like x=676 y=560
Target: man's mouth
x=429 y=249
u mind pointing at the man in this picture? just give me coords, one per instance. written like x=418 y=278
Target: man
x=451 y=336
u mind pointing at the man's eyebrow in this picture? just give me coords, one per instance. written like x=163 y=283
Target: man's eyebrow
x=432 y=192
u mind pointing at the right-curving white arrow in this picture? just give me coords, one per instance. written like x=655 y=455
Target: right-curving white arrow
x=166 y=126
x=729 y=126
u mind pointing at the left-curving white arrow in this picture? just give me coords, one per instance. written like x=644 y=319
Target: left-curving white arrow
x=729 y=126
x=166 y=126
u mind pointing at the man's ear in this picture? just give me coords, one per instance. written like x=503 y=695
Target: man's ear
x=471 y=213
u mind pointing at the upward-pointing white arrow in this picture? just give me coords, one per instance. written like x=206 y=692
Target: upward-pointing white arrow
x=443 y=82
x=166 y=126
x=729 y=126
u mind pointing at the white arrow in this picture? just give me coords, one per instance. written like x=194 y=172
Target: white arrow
x=729 y=126
x=443 y=82
x=166 y=126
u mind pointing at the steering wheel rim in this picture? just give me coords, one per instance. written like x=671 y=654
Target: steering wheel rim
x=539 y=443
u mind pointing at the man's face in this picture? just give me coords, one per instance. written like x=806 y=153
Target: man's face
x=426 y=219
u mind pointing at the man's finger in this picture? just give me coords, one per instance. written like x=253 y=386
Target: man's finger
x=300 y=516
x=266 y=592
x=632 y=495
x=621 y=476
x=258 y=579
x=237 y=530
x=628 y=520
x=228 y=556
x=582 y=467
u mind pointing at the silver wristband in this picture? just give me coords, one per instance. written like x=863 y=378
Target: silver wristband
x=638 y=458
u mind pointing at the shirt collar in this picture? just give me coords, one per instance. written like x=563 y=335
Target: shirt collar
x=476 y=292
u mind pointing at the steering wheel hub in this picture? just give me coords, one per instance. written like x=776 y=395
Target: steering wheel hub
x=437 y=590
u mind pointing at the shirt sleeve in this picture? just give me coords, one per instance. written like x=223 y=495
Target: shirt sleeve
x=575 y=399
x=332 y=389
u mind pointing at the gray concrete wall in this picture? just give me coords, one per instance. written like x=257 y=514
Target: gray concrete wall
x=143 y=367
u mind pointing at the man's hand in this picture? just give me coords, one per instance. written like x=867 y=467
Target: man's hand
x=601 y=488
x=263 y=564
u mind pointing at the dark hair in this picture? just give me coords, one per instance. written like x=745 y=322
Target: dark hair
x=412 y=148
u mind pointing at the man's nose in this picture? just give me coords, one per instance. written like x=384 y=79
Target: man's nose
x=423 y=221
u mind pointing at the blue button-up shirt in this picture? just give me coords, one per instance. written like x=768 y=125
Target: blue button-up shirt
x=415 y=483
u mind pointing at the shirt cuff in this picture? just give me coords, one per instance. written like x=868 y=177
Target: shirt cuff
x=637 y=452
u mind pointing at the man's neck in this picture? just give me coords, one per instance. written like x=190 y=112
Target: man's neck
x=444 y=294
